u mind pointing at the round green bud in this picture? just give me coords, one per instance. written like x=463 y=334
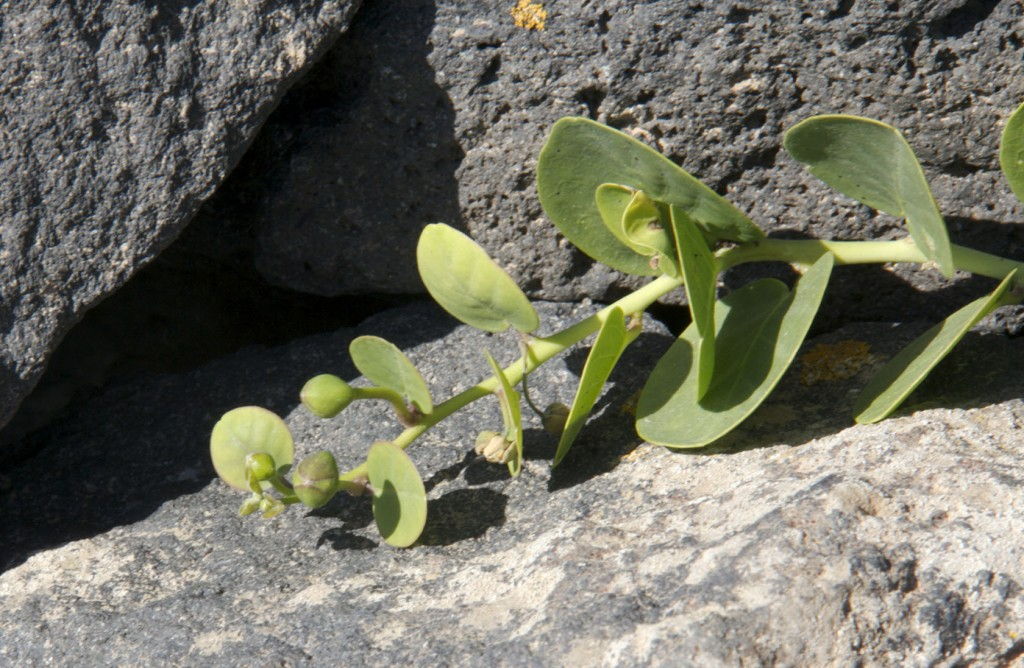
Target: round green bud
x=326 y=395
x=554 y=418
x=316 y=479
x=260 y=466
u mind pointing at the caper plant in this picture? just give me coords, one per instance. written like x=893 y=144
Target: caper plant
x=631 y=208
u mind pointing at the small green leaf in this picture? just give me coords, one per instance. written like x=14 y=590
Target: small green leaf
x=511 y=414
x=700 y=276
x=468 y=284
x=612 y=200
x=1011 y=152
x=399 y=498
x=645 y=226
x=872 y=163
x=759 y=329
x=604 y=354
x=248 y=430
x=897 y=379
x=386 y=366
x=581 y=155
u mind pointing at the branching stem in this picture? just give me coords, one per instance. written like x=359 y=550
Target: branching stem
x=797 y=251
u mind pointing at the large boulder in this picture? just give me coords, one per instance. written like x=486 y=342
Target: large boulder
x=436 y=111
x=796 y=541
x=118 y=119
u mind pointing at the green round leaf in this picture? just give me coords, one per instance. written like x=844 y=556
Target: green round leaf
x=399 y=499
x=872 y=163
x=1011 y=152
x=386 y=366
x=511 y=414
x=245 y=430
x=468 y=284
x=581 y=155
x=759 y=329
x=897 y=379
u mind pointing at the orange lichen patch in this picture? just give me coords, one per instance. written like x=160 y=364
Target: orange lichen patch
x=834 y=361
x=529 y=15
x=637 y=453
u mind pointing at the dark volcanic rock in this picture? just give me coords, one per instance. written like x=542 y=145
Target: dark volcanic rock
x=422 y=95
x=795 y=542
x=117 y=120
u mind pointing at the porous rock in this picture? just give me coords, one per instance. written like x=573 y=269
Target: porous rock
x=431 y=112
x=797 y=541
x=117 y=119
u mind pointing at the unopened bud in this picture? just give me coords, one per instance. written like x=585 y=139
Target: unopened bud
x=554 y=418
x=260 y=466
x=316 y=479
x=326 y=395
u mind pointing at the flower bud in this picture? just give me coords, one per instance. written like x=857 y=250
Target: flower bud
x=554 y=418
x=316 y=479
x=260 y=466
x=326 y=395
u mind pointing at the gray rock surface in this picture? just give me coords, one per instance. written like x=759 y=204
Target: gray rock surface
x=436 y=111
x=797 y=541
x=117 y=119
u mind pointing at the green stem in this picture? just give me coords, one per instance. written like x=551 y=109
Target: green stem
x=389 y=395
x=540 y=351
x=799 y=251
x=806 y=251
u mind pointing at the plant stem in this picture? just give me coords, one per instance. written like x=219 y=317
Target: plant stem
x=806 y=251
x=540 y=350
x=798 y=251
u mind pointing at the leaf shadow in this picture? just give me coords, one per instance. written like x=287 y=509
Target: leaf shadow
x=463 y=514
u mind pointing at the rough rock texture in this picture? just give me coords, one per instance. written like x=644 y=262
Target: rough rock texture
x=432 y=111
x=117 y=119
x=795 y=542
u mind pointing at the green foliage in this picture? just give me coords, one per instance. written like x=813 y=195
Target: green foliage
x=467 y=283
x=611 y=340
x=627 y=206
x=700 y=276
x=759 y=329
x=581 y=155
x=399 y=499
x=244 y=431
x=388 y=367
x=872 y=163
x=896 y=380
x=1011 y=152
x=511 y=415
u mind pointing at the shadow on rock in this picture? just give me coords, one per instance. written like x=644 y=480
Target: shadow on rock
x=463 y=514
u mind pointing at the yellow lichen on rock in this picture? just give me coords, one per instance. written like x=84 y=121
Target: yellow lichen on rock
x=529 y=15
x=834 y=361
